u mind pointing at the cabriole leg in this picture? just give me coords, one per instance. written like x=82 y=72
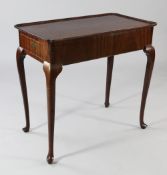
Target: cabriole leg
x=20 y=55
x=51 y=73
x=150 y=52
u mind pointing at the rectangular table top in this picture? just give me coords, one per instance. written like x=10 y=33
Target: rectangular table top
x=68 y=28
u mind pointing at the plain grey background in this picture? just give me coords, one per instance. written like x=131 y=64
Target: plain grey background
x=89 y=139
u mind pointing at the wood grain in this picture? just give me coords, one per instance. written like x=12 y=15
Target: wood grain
x=72 y=40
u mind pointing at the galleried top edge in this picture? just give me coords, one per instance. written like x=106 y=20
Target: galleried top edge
x=76 y=27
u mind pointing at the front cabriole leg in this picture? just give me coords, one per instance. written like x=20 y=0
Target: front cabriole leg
x=150 y=52
x=20 y=55
x=51 y=72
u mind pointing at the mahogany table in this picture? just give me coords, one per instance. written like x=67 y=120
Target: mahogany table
x=56 y=43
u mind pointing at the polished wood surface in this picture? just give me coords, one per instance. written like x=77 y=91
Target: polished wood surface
x=70 y=28
x=51 y=73
x=73 y=40
x=56 y=43
x=150 y=52
x=20 y=56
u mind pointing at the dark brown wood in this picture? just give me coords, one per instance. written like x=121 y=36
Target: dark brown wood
x=72 y=40
x=20 y=56
x=102 y=45
x=34 y=47
x=110 y=62
x=76 y=27
x=80 y=39
x=150 y=52
x=51 y=73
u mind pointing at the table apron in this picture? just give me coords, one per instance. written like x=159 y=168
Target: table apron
x=35 y=47
x=86 y=48
x=93 y=47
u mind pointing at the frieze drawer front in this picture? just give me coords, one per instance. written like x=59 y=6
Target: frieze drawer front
x=34 y=47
